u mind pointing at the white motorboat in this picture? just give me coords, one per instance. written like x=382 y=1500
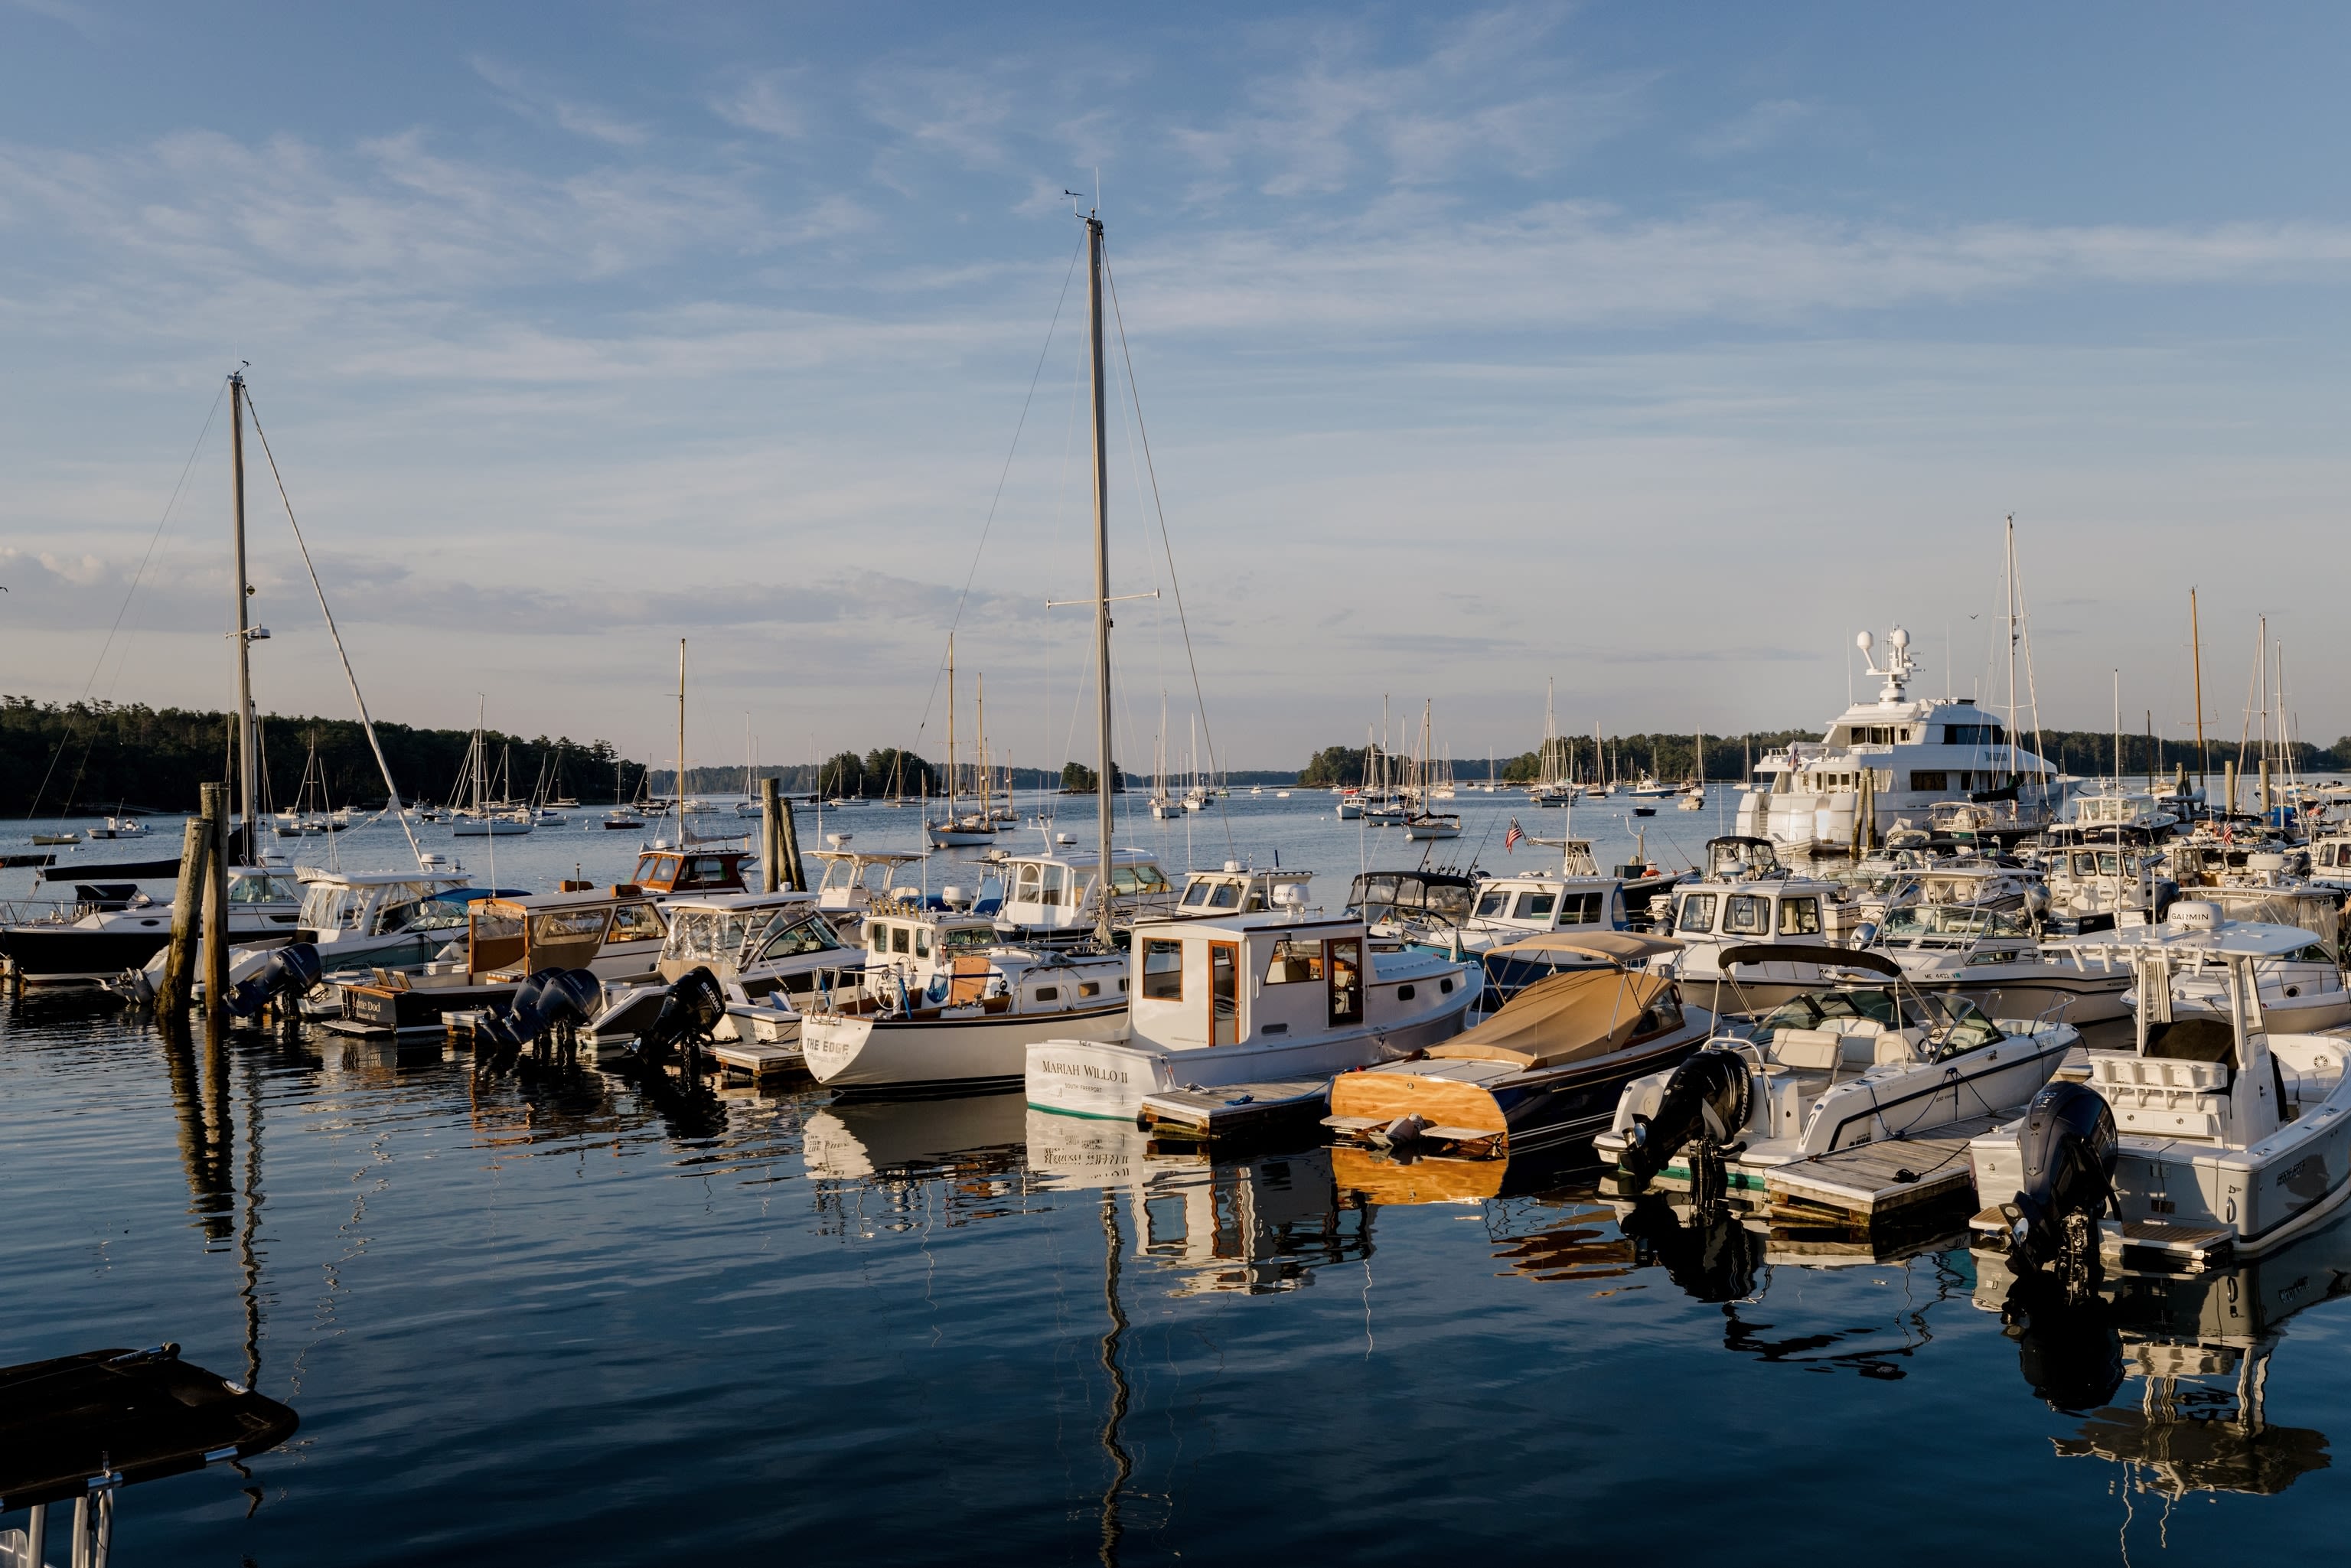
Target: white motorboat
x=1246 y=998
x=1432 y=825
x=853 y=881
x=111 y=927
x=125 y=828
x=1998 y=962
x=1746 y=898
x=944 y=1007
x=2210 y=1136
x=1827 y=1070
x=1530 y=904
x=2302 y=985
x=770 y=952
x=1052 y=897
x=1894 y=755
x=1238 y=887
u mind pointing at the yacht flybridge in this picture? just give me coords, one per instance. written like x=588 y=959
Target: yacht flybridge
x=1896 y=754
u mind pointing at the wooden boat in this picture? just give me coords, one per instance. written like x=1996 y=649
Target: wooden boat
x=1546 y=1069
x=613 y=933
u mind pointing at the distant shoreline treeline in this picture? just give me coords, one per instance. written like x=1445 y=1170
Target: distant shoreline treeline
x=96 y=757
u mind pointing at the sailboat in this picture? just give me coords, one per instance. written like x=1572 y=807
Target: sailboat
x=311 y=814
x=957 y=830
x=1421 y=822
x=1162 y=805
x=484 y=818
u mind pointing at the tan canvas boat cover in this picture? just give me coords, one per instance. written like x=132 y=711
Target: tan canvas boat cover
x=1561 y=1018
x=1608 y=946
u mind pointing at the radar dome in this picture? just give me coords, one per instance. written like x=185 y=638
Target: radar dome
x=1862 y=641
x=1898 y=638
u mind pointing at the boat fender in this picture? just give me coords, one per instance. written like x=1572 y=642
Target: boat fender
x=2069 y=1147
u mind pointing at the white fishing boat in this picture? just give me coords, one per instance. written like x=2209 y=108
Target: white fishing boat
x=2301 y=983
x=1858 y=1061
x=1745 y=897
x=1049 y=897
x=132 y=828
x=769 y=953
x=2210 y=1136
x=1997 y=960
x=1246 y=998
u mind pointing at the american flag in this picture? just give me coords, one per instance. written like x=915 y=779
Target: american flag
x=1510 y=839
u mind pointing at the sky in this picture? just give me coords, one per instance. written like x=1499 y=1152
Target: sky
x=1648 y=352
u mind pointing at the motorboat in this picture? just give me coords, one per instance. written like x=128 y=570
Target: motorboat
x=1896 y=754
x=944 y=1007
x=695 y=869
x=613 y=932
x=2301 y=982
x=365 y=922
x=1745 y=898
x=1432 y=825
x=1999 y=962
x=2210 y=1138
x=770 y=954
x=1238 y=887
x=1547 y=1068
x=1527 y=903
x=1867 y=1059
x=107 y=928
x=119 y=828
x=853 y=881
x=1246 y=998
x=1413 y=905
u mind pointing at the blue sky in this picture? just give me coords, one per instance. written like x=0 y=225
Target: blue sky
x=1656 y=350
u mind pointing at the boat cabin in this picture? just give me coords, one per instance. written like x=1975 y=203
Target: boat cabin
x=667 y=874
x=1250 y=977
x=1237 y=889
x=743 y=935
x=342 y=905
x=1527 y=905
x=613 y=932
x=1412 y=902
x=1045 y=894
x=856 y=880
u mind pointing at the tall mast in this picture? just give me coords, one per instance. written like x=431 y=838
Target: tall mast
x=2196 y=640
x=2008 y=575
x=681 y=744
x=243 y=591
x=951 y=734
x=981 y=751
x=1101 y=560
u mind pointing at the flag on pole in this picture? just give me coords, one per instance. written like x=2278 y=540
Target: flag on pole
x=1510 y=839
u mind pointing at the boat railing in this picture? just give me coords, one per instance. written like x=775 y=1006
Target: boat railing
x=52 y=911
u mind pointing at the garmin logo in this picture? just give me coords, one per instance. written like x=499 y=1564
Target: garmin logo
x=1083 y=1070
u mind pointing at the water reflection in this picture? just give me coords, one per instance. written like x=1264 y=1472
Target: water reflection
x=1251 y=1225
x=2200 y=1346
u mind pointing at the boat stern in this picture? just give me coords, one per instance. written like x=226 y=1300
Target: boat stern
x=1093 y=1078
x=831 y=1044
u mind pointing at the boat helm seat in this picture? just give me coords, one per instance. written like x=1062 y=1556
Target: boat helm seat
x=1807 y=1049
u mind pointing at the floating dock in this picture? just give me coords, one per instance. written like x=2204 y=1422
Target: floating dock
x=1876 y=1184
x=1233 y=1109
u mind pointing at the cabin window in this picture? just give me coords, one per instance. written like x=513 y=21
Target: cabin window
x=1973 y=735
x=1028 y=884
x=1930 y=783
x=1696 y=913
x=1090 y=987
x=1224 y=993
x=1745 y=914
x=809 y=933
x=2085 y=865
x=2110 y=864
x=1137 y=879
x=1049 y=993
x=1227 y=895
x=1445 y=987
x=1537 y=906
x=899 y=937
x=922 y=941
x=709 y=871
x=636 y=922
x=569 y=925
x=1162 y=970
x=1294 y=961
x=1342 y=968
x=966 y=938
x=1491 y=905
x=1054 y=877
x=1585 y=909
x=1195 y=896
x=1800 y=918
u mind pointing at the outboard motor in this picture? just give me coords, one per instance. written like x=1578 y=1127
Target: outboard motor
x=693 y=1007
x=550 y=1001
x=1711 y=1258
x=1706 y=1100
x=292 y=971
x=2069 y=1148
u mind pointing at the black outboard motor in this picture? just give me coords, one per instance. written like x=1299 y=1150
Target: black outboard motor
x=550 y=1001
x=293 y=970
x=1712 y=1258
x=1706 y=1100
x=2069 y=1148
x=692 y=1009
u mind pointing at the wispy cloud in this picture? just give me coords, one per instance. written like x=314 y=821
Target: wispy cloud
x=1758 y=126
x=769 y=101
x=527 y=97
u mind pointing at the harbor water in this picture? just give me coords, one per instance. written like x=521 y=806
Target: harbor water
x=561 y=1318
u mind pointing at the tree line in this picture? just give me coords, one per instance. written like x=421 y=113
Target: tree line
x=84 y=758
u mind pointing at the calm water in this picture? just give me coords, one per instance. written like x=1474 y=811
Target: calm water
x=555 y=1321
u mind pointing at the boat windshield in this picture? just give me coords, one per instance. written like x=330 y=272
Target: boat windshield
x=711 y=934
x=1385 y=895
x=791 y=934
x=1950 y=1024
x=1951 y=920
x=261 y=888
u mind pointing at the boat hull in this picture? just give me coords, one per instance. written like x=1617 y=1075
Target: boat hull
x=879 y=1056
x=1533 y=1109
x=1109 y=1079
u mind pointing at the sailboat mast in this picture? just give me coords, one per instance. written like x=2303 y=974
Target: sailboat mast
x=951 y=733
x=243 y=591
x=2008 y=575
x=982 y=749
x=681 y=744
x=2203 y=758
x=1101 y=558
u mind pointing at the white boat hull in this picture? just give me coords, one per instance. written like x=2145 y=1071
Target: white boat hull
x=938 y=1055
x=1095 y=1078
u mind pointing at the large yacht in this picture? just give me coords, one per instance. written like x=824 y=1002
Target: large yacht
x=1894 y=755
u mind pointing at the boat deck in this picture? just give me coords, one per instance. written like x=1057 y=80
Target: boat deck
x=758 y=1060
x=1233 y=1108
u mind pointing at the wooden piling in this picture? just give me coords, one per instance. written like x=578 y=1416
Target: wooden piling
x=215 y=915
x=792 y=850
x=187 y=920
x=771 y=837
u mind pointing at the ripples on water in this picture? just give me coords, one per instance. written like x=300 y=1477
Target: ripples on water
x=553 y=1321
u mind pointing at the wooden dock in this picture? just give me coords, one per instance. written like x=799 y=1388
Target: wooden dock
x=1878 y=1184
x=758 y=1060
x=1234 y=1108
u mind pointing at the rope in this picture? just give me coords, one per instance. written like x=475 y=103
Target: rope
x=366 y=723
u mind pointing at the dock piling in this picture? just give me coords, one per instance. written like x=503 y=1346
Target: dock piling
x=792 y=850
x=215 y=917
x=180 y=958
x=771 y=837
